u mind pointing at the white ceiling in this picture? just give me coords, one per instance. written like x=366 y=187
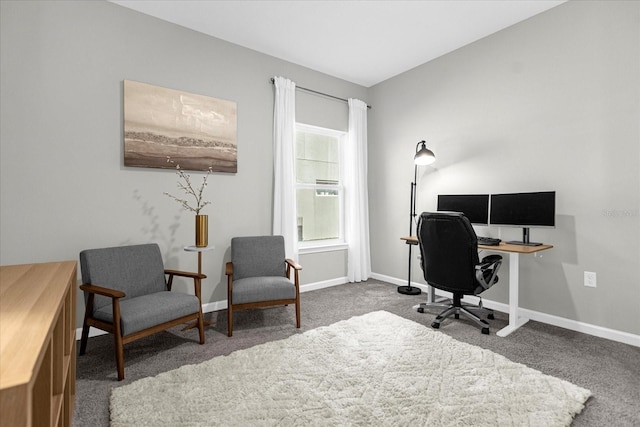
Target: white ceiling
x=364 y=42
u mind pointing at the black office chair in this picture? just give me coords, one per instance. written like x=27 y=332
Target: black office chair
x=449 y=252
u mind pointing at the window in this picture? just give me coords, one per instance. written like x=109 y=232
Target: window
x=319 y=189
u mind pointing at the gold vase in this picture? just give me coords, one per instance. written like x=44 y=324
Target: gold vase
x=202 y=231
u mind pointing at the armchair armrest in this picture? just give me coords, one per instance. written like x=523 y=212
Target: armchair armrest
x=185 y=274
x=197 y=277
x=229 y=269
x=293 y=264
x=94 y=290
x=115 y=296
x=107 y=292
x=296 y=268
x=229 y=272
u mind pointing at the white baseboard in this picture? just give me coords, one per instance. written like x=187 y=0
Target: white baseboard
x=325 y=284
x=573 y=325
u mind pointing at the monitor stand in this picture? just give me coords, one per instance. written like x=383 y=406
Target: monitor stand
x=525 y=239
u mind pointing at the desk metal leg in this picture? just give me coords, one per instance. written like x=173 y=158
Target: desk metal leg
x=515 y=321
x=435 y=301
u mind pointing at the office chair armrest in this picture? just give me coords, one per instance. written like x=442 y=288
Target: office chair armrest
x=107 y=292
x=487 y=272
x=490 y=259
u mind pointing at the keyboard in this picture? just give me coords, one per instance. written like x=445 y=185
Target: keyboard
x=488 y=241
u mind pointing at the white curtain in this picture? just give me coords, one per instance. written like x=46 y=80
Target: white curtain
x=356 y=194
x=284 y=192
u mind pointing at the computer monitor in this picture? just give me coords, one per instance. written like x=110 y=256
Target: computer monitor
x=524 y=210
x=474 y=206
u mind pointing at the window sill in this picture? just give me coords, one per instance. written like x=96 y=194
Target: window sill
x=322 y=248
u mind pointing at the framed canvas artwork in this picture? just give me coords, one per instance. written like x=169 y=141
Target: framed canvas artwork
x=165 y=127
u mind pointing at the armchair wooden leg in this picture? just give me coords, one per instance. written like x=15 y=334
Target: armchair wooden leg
x=117 y=334
x=229 y=321
x=201 y=326
x=85 y=327
x=297 y=283
x=119 y=347
x=84 y=339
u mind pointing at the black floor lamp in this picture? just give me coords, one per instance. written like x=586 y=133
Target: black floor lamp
x=423 y=156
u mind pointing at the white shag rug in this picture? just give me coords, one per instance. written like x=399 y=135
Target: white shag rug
x=377 y=369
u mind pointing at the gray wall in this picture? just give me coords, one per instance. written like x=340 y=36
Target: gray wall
x=63 y=184
x=551 y=103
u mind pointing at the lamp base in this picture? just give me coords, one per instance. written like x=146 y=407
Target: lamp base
x=409 y=290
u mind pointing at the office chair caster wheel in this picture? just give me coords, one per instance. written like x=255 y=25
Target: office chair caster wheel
x=457 y=316
x=420 y=309
x=435 y=325
x=490 y=316
x=484 y=331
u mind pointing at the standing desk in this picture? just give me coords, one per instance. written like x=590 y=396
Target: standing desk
x=514 y=251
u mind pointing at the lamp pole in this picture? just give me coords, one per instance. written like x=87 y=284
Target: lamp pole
x=423 y=156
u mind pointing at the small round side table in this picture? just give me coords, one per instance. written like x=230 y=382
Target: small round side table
x=199 y=250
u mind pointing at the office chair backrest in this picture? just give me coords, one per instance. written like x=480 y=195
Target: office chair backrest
x=136 y=270
x=258 y=256
x=449 y=250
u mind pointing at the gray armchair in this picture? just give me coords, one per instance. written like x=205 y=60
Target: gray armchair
x=126 y=294
x=259 y=276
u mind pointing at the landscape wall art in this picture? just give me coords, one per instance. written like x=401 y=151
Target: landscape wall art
x=164 y=128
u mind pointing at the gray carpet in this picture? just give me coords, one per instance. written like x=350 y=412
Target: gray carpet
x=609 y=369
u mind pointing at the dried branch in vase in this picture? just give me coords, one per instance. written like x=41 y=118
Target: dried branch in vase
x=184 y=184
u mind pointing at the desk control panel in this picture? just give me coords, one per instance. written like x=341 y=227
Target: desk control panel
x=488 y=241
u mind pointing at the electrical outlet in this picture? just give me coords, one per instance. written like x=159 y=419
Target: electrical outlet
x=590 y=279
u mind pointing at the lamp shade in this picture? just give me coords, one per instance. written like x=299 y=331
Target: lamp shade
x=423 y=156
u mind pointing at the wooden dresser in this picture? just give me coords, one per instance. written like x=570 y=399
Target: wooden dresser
x=37 y=344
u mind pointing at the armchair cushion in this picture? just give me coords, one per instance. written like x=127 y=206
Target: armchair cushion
x=258 y=289
x=139 y=313
x=257 y=256
x=135 y=270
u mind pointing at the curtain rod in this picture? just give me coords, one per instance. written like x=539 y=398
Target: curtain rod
x=319 y=93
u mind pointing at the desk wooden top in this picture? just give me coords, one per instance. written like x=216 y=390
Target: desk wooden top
x=502 y=247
